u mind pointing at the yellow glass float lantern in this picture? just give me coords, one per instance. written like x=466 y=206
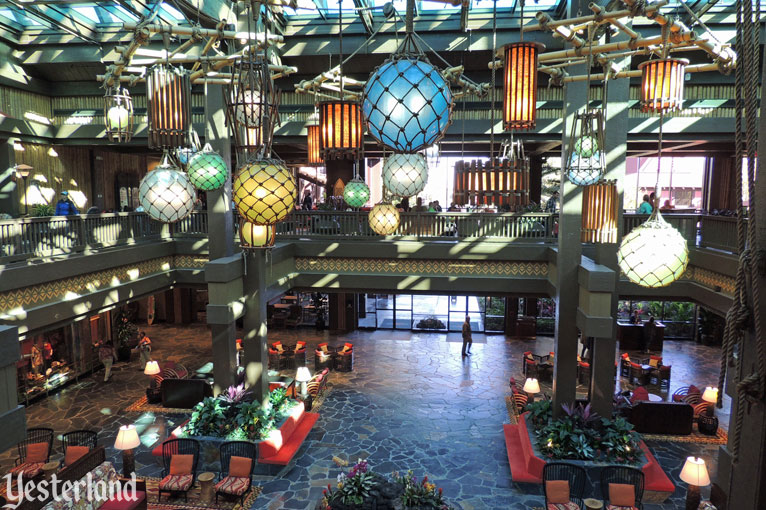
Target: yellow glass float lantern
x=384 y=219
x=264 y=191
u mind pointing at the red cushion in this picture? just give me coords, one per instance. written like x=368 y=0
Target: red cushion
x=557 y=491
x=622 y=494
x=74 y=452
x=584 y=364
x=37 y=452
x=233 y=485
x=291 y=423
x=181 y=464
x=639 y=394
x=240 y=467
x=124 y=503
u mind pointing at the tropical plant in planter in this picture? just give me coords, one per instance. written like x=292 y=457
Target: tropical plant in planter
x=353 y=489
x=421 y=495
x=126 y=332
x=208 y=418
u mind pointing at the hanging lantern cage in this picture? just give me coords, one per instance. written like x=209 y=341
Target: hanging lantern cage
x=166 y=194
x=356 y=193
x=520 y=85
x=118 y=115
x=313 y=142
x=251 y=107
x=256 y=236
x=384 y=219
x=340 y=124
x=405 y=175
x=585 y=161
x=264 y=191
x=599 y=213
x=168 y=95
x=502 y=183
x=662 y=85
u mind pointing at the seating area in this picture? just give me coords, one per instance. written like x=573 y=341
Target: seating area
x=35 y=451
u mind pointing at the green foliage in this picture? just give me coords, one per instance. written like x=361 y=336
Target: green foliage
x=421 y=495
x=42 y=210
x=207 y=419
x=353 y=488
x=539 y=411
x=277 y=397
x=125 y=331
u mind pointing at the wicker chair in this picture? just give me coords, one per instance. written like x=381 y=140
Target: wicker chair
x=623 y=475
x=31 y=459
x=521 y=401
x=323 y=359
x=625 y=365
x=688 y=394
x=300 y=354
x=524 y=358
x=575 y=475
x=530 y=369
x=344 y=358
x=87 y=438
x=294 y=317
x=174 y=484
x=277 y=358
x=237 y=486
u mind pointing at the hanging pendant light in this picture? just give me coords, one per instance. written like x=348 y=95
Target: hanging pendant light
x=340 y=124
x=405 y=175
x=654 y=254
x=166 y=194
x=118 y=115
x=356 y=193
x=207 y=170
x=384 y=219
x=256 y=236
x=662 y=84
x=264 y=191
x=313 y=142
x=168 y=97
x=585 y=163
x=599 y=213
x=520 y=85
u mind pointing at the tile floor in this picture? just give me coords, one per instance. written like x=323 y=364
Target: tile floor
x=411 y=402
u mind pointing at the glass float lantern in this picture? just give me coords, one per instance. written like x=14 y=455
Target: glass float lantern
x=654 y=254
x=118 y=115
x=207 y=170
x=384 y=219
x=585 y=163
x=405 y=175
x=407 y=103
x=520 y=85
x=264 y=191
x=166 y=194
x=356 y=193
x=340 y=126
x=599 y=213
x=184 y=154
x=256 y=236
x=312 y=138
x=662 y=85
x=168 y=98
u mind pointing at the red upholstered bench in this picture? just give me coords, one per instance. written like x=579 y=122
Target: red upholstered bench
x=139 y=502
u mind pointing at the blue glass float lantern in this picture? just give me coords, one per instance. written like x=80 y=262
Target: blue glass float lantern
x=585 y=163
x=407 y=103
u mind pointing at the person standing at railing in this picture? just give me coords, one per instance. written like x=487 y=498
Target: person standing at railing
x=308 y=202
x=65 y=207
x=645 y=207
x=552 y=205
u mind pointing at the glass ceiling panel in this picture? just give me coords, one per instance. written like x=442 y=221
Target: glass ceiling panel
x=88 y=12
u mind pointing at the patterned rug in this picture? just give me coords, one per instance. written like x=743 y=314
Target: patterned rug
x=695 y=437
x=143 y=406
x=177 y=502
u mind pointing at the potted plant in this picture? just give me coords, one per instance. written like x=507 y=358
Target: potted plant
x=354 y=490
x=126 y=333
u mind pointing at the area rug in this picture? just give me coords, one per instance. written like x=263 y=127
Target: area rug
x=143 y=406
x=178 y=502
x=721 y=437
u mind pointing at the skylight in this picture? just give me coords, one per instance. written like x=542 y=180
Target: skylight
x=173 y=12
x=88 y=13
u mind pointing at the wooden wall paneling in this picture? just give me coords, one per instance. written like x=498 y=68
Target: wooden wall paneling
x=50 y=175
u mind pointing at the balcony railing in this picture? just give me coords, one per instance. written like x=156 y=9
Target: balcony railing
x=44 y=237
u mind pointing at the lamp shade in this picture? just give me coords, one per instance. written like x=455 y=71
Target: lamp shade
x=662 y=84
x=710 y=394
x=654 y=254
x=407 y=104
x=118 y=115
x=166 y=194
x=356 y=193
x=127 y=438
x=531 y=386
x=520 y=85
x=384 y=219
x=695 y=472
x=207 y=169
x=168 y=100
x=152 y=368
x=303 y=375
x=314 y=157
x=599 y=213
x=340 y=124
x=256 y=236
x=264 y=191
x=405 y=175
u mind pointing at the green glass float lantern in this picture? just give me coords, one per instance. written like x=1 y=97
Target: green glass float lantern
x=207 y=170
x=356 y=193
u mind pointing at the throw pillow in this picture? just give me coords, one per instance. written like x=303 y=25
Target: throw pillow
x=279 y=347
x=639 y=394
x=37 y=452
x=622 y=494
x=73 y=453
x=239 y=467
x=557 y=491
x=323 y=348
x=181 y=464
x=694 y=390
x=654 y=363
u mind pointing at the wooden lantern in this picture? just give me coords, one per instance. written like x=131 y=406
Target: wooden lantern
x=168 y=94
x=520 y=85
x=662 y=85
x=500 y=183
x=340 y=124
x=314 y=154
x=599 y=213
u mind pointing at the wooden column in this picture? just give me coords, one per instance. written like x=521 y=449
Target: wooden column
x=255 y=337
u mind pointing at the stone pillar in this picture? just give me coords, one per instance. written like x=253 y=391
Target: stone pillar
x=255 y=338
x=12 y=416
x=11 y=190
x=568 y=258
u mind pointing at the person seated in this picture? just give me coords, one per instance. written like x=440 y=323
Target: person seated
x=636 y=317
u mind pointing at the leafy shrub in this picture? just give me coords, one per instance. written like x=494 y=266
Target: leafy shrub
x=431 y=323
x=42 y=210
x=353 y=488
x=421 y=495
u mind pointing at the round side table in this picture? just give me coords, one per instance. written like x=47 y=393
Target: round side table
x=206 y=486
x=49 y=469
x=593 y=504
x=707 y=425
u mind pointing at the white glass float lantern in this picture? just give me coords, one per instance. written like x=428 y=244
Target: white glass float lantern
x=264 y=191
x=166 y=194
x=405 y=175
x=118 y=115
x=256 y=236
x=654 y=254
x=585 y=163
x=356 y=193
x=384 y=219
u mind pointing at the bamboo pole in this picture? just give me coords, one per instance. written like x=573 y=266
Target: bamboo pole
x=206 y=32
x=614 y=21
x=550 y=24
x=636 y=73
x=198 y=77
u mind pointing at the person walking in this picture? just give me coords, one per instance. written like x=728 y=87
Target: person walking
x=106 y=356
x=65 y=206
x=144 y=348
x=552 y=205
x=650 y=331
x=467 y=340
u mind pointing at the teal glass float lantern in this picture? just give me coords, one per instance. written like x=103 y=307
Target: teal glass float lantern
x=407 y=103
x=585 y=163
x=356 y=193
x=166 y=194
x=207 y=170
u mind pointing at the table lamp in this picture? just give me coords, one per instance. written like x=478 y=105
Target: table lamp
x=303 y=376
x=151 y=369
x=695 y=474
x=127 y=439
x=531 y=386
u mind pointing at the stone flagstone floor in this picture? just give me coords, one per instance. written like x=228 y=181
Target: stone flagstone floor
x=411 y=402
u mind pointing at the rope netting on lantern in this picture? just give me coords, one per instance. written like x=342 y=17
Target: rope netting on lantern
x=165 y=193
x=405 y=175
